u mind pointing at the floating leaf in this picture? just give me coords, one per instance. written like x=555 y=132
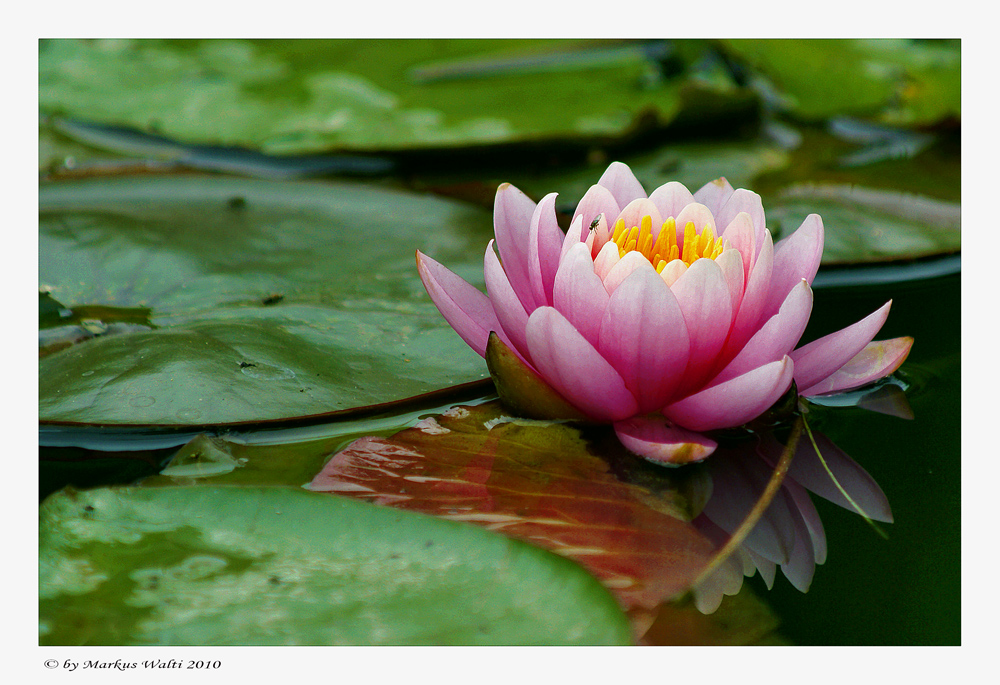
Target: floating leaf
x=270 y=300
x=280 y=566
x=623 y=519
x=900 y=82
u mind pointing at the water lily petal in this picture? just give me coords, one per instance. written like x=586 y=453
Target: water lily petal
x=714 y=194
x=703 y=295
x=819 y=359
x=696 y=213
x=740 y=234
x=597 y=200
x=572 y=237
x=635 y=210
x=644 y=336
x=810 y=517
x=754 y=298
x=744 y=201
x=571 y=365
x=670 y=199
x=623 y=268
x=544 y=245
x=606 y=260
x=876 y=360
x=622 y=183
x=731 y=263
x=512 y=212
x=795 y=257
x=776 y=338
x=464 y=307
x=652 y=438
x=801 y=564
x=734 y=402
x=507 y=307
x=579 y=293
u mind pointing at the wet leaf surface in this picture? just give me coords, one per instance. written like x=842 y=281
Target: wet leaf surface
x=270 y=300
x=217 y=566
x=623 y=519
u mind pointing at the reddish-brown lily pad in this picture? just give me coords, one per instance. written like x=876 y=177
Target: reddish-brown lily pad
x=579 y=494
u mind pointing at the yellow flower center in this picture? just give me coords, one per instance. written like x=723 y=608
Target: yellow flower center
x=665 y=248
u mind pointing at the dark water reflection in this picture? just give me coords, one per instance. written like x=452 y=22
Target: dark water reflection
x=904 y=590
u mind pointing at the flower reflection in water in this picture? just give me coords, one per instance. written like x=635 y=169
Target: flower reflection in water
x=789 y=533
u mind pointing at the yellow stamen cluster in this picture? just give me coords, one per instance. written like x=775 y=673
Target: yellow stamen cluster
x=665 y=249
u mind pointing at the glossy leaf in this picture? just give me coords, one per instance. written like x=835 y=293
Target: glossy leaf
x=269 y=300
x=293 y=97
x=280 y=566
x=623 y=519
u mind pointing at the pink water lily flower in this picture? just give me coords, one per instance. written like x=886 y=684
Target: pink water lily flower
x=668 y=315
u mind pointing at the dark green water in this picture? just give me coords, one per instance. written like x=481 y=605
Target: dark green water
x=904 y=590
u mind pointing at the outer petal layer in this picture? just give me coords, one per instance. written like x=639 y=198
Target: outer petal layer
x=821 y=358
x=652 y=438
x=877 y=360
x=734 y=402
x=464 y=307
x=571 y=365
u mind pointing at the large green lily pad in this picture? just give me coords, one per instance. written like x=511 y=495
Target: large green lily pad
x=268 y=300
x=291 y=97
x=281 y=566
x=899 y=82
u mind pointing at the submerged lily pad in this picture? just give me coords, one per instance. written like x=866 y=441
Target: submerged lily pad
x=217 y=566
x=269 y=300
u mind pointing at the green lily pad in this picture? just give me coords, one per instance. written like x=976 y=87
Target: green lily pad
x=269 y=300
x=219 y=566
x=899 y=82
x=294 y=97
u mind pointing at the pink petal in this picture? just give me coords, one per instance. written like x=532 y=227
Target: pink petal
x=572 y=366
x=652 y=438
x=579 y=294
x=670 y=199
x=623 y=268
x=714 y=194
x=819 y=359
x=807 y=510
x=731 y=263
x=572 y=237
x=468 y=310
x=744 y=201
x=734 y=402
x=776 y=338
x=544 y=244
x=795 y=257
x=703 y=295
x=876 y=360
x=754 y=297
x=740 y=234
x=597 y=200
x=644 y=337
x=636 y=209
x=622 y=183
x=801 y=564
x=512 y=212
x=509 y=311
x=606 y=260
x=699 y=214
